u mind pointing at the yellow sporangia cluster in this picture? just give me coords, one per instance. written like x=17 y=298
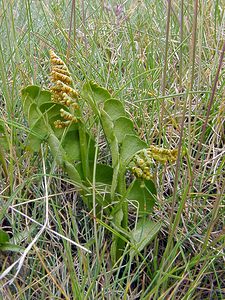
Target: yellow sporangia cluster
x=142 y=165
x=62 y=90
x=146 y=158
x=162 y=155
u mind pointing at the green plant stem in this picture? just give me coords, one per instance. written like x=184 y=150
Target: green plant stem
x=94 y=197
x=83 y=146
x=122 y=192
x=118 y=242
x=84 y=151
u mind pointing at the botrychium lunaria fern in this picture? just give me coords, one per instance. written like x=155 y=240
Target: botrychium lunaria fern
x=144 y=160
x=62 y=90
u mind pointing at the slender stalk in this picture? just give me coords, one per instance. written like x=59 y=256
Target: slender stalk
x=72 y=21
x=94 y=197
x=84 y=23
x=181 y=43
x=165 y=65
x=193 y=44
x=192 y=63
x=122 y=191
x=166 y=48
x=200 y=44
x=84 y=150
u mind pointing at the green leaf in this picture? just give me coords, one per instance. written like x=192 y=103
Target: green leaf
x=57 y=150
x=94 y=95
x=98 y=93
x=107 y=125
x=43 y=97
x=35 y=94
x=4 y=237
x=72 y=172
x=143 y=234
x=114 y=108
x=131 y=144
x=122 y=127
x=118 y=217
x=29 y=95
x=144 y=193
x=40 y=129
x=33 y=114
x=38 y=133
x=11 y=247
x=71 y=145
x=32 y=91
x=87 y=95
x=34 y=143
x=104 y=174
x=51 y=110
x=91 y=147
x=79 y=169
x=108 y=128
x=37 y=122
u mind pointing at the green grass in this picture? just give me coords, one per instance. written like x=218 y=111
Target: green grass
x=163 y=64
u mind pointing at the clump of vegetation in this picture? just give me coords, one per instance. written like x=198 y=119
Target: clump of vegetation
x=58 y=115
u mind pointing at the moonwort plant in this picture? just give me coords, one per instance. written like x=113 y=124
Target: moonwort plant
x=55 y=117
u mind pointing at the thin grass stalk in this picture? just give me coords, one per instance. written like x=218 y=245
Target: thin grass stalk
x=165 y=65
x=72 y=22
x=166 y=48
x=181 y=43
x=193 y=44
x=84 y=24
x=200 y=44
x=192 y=63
